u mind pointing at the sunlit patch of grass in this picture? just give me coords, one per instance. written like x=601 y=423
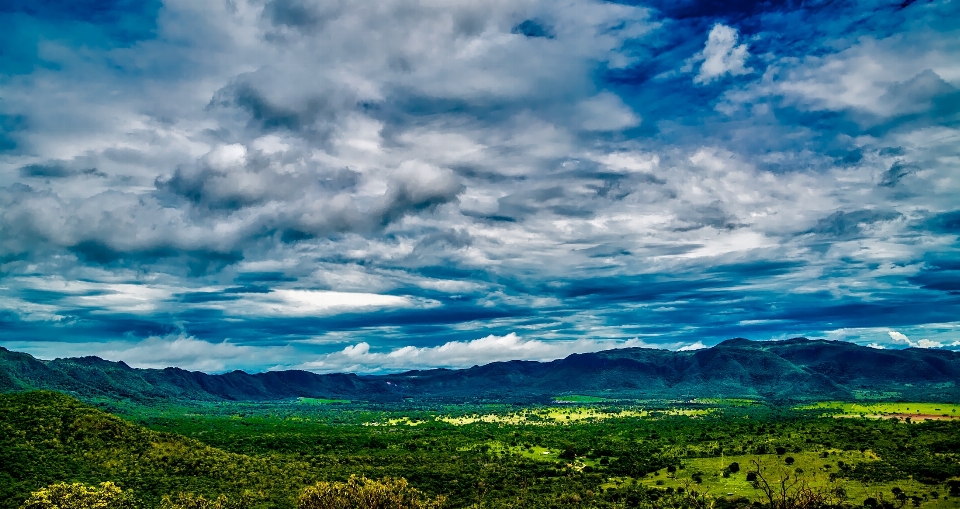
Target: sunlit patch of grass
x=322 y=401
x=735 y=402
x=917 y=410
x=811 y=466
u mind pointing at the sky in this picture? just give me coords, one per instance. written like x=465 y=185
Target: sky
x=379 y=186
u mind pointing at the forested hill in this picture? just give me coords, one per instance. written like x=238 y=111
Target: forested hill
x=797 y=369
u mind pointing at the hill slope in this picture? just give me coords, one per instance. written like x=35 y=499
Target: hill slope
x=47 y=437
x=797 y=369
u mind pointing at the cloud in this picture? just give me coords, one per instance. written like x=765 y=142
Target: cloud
x=462 y=354
x=310 y=303
x=696 y=346
x=923 y=343
x=721 y=55
x=188 y=353
x=253 y=171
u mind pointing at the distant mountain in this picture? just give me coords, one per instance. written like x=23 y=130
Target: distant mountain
x=797 y=369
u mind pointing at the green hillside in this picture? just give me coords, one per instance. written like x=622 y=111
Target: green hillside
x=47 y=437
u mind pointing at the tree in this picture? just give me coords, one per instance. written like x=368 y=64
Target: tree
x=363 y=493
x=191 y=501
x=568 y=453
x=786 y=490
x=734 y=467
x=79 y=496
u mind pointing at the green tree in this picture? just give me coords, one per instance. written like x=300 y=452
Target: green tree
x=363 y=493
x=79 y=496
x=191 y=501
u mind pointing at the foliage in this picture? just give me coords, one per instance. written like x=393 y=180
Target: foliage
x=79 y=496
x=191 y=501
x=362 y=493
x=241 y=455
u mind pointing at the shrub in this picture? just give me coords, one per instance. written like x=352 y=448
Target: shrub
x=734 y=467
x=788 y=460
x=79 y=496
x=363 y=493
x=191 y=501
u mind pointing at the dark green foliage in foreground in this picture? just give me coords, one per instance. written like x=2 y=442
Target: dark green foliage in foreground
x=233 y=456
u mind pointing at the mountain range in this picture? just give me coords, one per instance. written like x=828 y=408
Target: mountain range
x=798 y=369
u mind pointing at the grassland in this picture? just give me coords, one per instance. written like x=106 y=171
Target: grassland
x=815 y=469
x=322 y=401
x=915 y=410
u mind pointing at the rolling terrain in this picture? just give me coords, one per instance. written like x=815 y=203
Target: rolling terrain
x=794 y=370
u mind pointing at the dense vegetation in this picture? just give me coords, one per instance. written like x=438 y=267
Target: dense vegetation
x=671 y=455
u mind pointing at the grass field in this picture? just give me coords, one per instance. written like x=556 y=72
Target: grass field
x=813 y=468
x=916 y=410
x=322 y=401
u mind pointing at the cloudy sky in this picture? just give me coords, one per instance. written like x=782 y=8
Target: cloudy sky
x=374 y=186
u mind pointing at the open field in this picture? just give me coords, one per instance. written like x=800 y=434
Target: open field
x=814 y=468
x=321 y=401
x=916 y=411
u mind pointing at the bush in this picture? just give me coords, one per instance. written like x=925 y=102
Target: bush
x=953 y=487
x=191 y=501
x=79 y=496
x=788 y=460
x=363 y=493
x=734 y=467
x=751 y=476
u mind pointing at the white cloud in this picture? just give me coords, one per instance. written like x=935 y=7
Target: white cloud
x=899 y=337
x=188 y=353
x=721 y=55
x=606 y=112
x=462 y=354
x=158 y=352
x=313 y=303
x=898 y=75
x=689 y=348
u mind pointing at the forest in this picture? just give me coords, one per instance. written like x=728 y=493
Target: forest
x=576 y=451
